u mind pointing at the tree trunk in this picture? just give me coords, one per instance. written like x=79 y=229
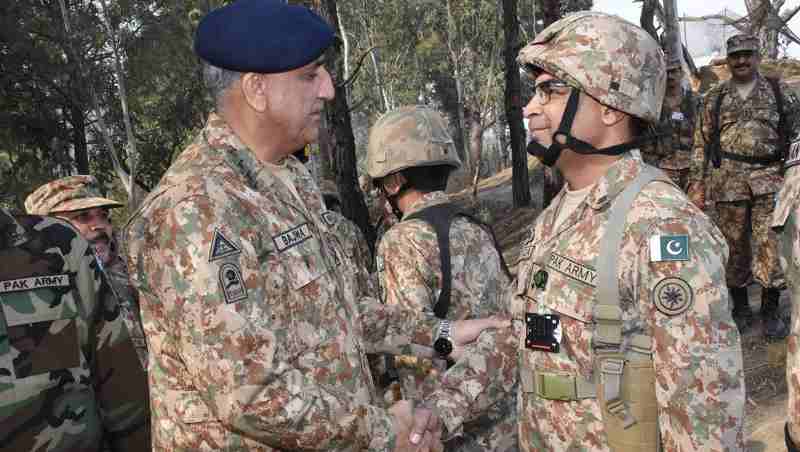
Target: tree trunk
x=551 y=11
x=647 y=16
x=337 y=115
x=513 y=105
x=78 y=120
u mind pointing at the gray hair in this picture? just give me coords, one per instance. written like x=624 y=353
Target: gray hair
x=218 y=80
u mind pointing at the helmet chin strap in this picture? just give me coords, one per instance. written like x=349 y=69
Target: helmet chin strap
x=549 y=155
x=393 y=200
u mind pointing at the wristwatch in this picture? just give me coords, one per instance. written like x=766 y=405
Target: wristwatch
x=443 y=346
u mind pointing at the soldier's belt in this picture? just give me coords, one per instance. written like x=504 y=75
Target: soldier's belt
x=750 y=159
x=566 y=387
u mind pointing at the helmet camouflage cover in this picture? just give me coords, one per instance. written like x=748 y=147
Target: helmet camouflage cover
x=614 y=61
x=409 y=137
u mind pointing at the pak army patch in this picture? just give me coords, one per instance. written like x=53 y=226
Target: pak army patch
x=673 y=296
x=231 y=283
x=221 y=247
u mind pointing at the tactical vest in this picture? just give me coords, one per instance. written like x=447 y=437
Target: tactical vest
x=624 y=378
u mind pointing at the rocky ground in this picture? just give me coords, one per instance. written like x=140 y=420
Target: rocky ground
x=764 y=363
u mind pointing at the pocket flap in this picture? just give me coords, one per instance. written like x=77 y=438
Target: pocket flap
x=190 y=408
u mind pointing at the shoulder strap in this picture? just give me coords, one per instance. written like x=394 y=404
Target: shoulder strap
x=608 y=313
x=715 y=117
x=783 y=136
x=440 y=217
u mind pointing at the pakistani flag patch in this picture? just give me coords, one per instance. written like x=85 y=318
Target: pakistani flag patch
x=669 y=248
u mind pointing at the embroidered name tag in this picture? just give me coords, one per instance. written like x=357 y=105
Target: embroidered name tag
x=292 y=237
x=329 y=218
x=677 y=116
x=572 y=269
x=34 y=282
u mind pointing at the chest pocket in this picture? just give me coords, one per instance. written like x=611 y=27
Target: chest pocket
x=42 y=331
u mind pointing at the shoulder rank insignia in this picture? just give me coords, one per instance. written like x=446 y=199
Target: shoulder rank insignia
x=221 y=247
x=669 y=248
x=672 y=296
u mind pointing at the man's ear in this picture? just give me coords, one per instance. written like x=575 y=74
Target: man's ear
x=254 y=89
x=393 y=182
x=610 y=117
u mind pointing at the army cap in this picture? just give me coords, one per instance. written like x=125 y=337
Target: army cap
x=738 y=43
x=66 y=195
x=612 y=60
x=409 y=137
x=263 y=36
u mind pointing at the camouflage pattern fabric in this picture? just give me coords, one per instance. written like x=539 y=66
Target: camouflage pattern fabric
x=128 y=301
x=70 y=378
x=748 y=127
x=256 y=331
x=673 y=152
x=410 y=276
x=68 y=194
x=787 y=222
x=679 y=303
x=743 y=191
x=355 y=246
x=753 y=244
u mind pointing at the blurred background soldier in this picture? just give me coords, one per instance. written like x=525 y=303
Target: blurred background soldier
x=786 y=222
x=740 y=142
x=71 y=381
x=437 y=258
x=78 y=200
x=677 y=125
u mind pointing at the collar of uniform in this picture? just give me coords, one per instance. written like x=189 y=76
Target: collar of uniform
x=428 y=199
x=222 y=139
x=615 y=180
x=11 y=232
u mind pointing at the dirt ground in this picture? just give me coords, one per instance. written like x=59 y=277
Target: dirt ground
x=764 y=363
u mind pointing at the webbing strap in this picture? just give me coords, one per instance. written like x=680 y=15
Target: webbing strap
x=607 y=311
x=440 y=217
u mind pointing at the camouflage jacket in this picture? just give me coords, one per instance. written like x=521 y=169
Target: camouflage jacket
x=410 y=275
x=128 y=300
x=355 y=246
x=681 y=304
x=257 y=335
x=677 y=123
x=69 y=373
x=748 y=127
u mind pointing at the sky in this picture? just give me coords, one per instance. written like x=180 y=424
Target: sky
x=630 y=11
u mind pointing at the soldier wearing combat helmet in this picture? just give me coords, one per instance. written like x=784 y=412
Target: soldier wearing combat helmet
x=78 y=200
x=617 y=305
x=437 y=258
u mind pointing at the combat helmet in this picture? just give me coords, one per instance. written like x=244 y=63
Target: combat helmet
x=606 y=57
x=409 y=137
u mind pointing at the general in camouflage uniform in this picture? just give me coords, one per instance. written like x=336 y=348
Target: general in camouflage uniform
x=409 y=157
x=257 y=333
x=78 y=200
x=744 y=174
x=70 y=378
x=786 y=222
x=673 y=151
x=622 y=332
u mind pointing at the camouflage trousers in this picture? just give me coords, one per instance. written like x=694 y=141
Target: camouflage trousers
x=753 y=244
x=679 y=176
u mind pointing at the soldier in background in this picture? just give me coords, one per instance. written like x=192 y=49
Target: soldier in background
x=740 y=141
x=409 y=158
x=71 y=381
x=677 y=126
x=786 y=222
x=623 y=330
x=78 y=200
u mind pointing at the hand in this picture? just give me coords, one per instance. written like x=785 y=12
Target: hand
x=464 y=332
x=697 y=194
x=416 y=429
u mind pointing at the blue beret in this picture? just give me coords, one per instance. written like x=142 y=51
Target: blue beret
x=264 y=36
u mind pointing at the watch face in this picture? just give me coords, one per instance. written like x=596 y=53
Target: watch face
x=443 y=347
